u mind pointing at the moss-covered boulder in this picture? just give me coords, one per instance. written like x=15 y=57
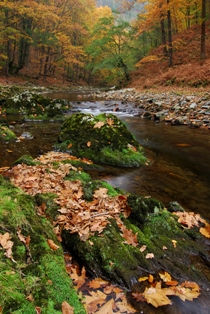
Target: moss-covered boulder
x=32 y=274
x=6 y=134
x=104 y=139
x=181 y=252
x=32 y=104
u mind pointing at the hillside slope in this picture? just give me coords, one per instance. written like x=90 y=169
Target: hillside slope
x=187 y=70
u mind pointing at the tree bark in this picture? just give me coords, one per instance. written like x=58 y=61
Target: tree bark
x=163 y=37
x=170 y=43
x=203 y=31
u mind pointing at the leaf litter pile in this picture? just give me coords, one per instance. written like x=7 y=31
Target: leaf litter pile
x=85 y=218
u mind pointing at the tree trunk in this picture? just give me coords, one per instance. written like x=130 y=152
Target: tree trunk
x=163 y=37
x=170 y=44
x=203 y=31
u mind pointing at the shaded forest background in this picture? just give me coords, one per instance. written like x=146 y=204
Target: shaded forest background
x=107 y=42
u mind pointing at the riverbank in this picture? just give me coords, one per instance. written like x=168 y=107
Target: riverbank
x=171 y=107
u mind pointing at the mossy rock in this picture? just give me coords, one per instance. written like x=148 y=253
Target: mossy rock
x=6 y=134
x=108 y=255
x=36 y=273
x=26 y=159
x=111 y=143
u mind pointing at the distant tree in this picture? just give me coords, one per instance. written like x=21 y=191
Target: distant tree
x=203 y=30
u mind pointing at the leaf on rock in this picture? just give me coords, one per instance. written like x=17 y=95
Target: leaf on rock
x=141 y=279
x=189 y=219
x=150 y=256
x=101 y=193
x=109 y=121
x=7 y=245
x=165 y=277
x=143 y=248
x=156 y=296
x=66 y=308
x=205 y=231
x=89 y=144
x=107 y=308
x=52 y=245
x=174 y=242
x=97 y=283
x=99 y=125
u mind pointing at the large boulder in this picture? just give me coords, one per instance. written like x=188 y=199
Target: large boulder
x=104 y=139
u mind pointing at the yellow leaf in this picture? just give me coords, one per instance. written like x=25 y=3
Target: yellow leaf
x=99 y=125
x=205 y=231
x=142 y=279
x=174 y=242
x=165 y=277
x=156 y=296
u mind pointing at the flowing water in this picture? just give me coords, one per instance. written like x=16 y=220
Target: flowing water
x=179 y=167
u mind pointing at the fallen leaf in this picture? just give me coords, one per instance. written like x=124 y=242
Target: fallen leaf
x=30 y=298
x=172 y=283
x=165 y=277
x=143 y=279
x=109 y=121
x=70 y=145
x=97 y=283
x=66 y=308
x=165 y=248
x=38 y=310
x=150 y=255
x=143 y=248
x=89 y=144
x=101 y=193
x=52 y=245
x=174 y=242
x=156 y=296
x=189 y=219
x=107 y=308
x=205 y=231
x=99 y=125
x=7 y=245
x=138 y=297
x=151 y=279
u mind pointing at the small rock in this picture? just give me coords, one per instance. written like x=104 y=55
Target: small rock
x=175 y=207
x=27 y=136
x=193 y=105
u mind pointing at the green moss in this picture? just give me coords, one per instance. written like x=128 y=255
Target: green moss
x=26 y=159
x=6 y=134
x=37 y=271
x=110 y=144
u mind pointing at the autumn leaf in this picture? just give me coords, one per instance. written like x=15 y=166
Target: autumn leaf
x=106 y=308
x=89 y=144
x=150 y=256
x=174 y=242
x=138 y=297
x=141 y=279
x=101 y=193
x=165 y=277
x=205 y=231
x=70 y=145
x=7 y=245
x=156 y=296
x=109 y=121
x=189 y=219
x=99 y=125
x=52 y=245
x=97 y=283
x=66 y=308
x=143 y=248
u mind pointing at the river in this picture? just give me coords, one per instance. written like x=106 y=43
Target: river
x=179 y=157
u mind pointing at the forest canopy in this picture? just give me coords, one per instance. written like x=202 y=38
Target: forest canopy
x=87 y=41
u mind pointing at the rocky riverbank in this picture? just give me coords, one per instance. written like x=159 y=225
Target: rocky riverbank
x=178 y=109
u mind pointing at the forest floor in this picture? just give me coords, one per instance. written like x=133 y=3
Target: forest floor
x=187 y=71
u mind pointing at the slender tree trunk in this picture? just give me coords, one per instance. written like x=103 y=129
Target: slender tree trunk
x=163 y=37
x=203 y=31
x=170 y=44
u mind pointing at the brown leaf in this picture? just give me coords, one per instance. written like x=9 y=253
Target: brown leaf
x=52 y=245
x=109 y=121
x=66 y=308
x=138 y=297
x=205 y=231
x=97 y=283
x=106 y=308
x=89 y=144
x=189 y=219
x=38 y=310
x=165 y=277
x=156 y=296
x=150 y=256
x=6 y=244
x=151 y=279
x=99 y=125
x=101 y=193
x=143 y=248
x=172 y=283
